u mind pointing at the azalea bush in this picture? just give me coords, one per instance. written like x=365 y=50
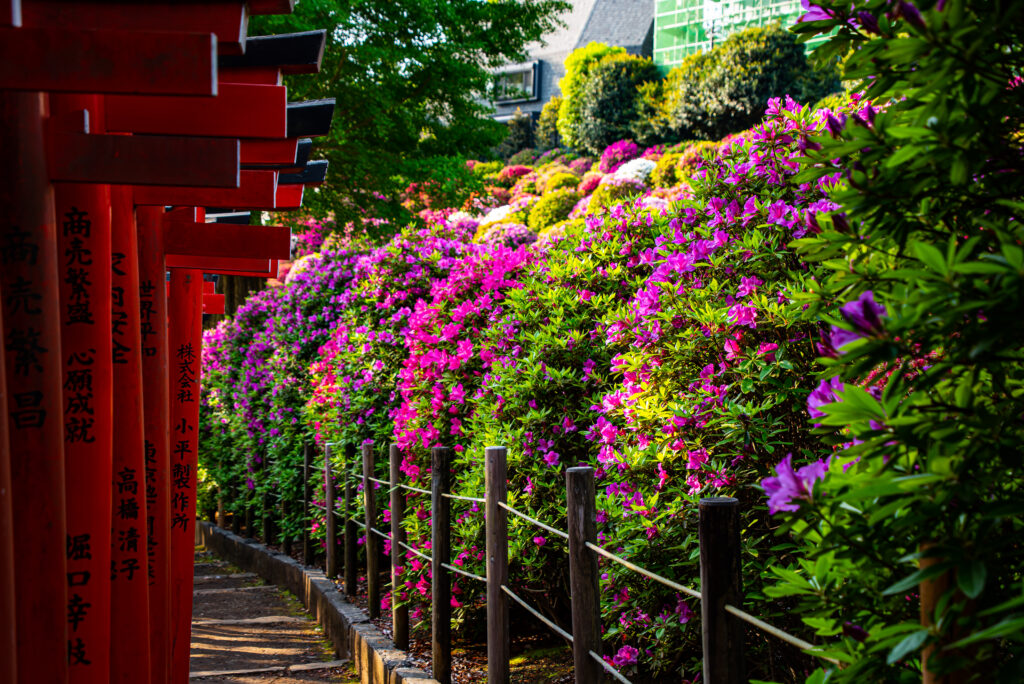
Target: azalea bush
x=256 y=380
x=818 y=315
x=910 y=556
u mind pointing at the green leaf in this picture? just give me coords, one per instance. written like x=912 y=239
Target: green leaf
x=971 y=578
x=931 y=256
x=908 y=645
x=916 y=578
x=999 y=630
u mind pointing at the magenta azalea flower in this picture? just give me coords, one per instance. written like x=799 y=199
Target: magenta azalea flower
x=792 y=484
x=743 y=315
x=864 y=314
x=815 y=13
x=825 y=393
x=626 y=656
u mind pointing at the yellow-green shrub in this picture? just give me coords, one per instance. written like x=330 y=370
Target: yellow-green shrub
x=561 y=180
x=613 y=190
x=552 y=208
x=667 y=173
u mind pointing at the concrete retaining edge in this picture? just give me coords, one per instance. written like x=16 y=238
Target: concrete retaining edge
x=348 y=628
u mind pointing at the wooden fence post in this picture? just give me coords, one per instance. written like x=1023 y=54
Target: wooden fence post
x=236 y=518
x=287 y=539
x=350 y=525
x=331 y=559
x=441 y=551
x=249 y=518
x=307 y=550
x=584 y=580
x=370 y=517
x=268 y=518
x=222 y=517
x=720 y=584
x=498 y=646
x=399 y=612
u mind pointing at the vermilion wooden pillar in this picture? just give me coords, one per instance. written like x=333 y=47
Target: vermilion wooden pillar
x=130 y=606
x=184 y=334
x=153 y=333
x=83 y=262
x=8 y=640
x=28 y=284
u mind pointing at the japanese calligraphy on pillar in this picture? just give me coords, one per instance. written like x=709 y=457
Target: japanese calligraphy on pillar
x=183 y=440
x=130 y=552
x=147 y=307
x=29 y=278
x=83 y=249
x=155 y=447
x=184 y=332
x=130 y=519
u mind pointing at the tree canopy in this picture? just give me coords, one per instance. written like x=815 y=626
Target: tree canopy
x=410 y=78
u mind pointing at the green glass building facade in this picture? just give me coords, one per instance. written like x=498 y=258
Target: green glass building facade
x=683 y=27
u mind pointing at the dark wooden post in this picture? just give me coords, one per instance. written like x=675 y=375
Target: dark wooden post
x=498 y=647
x=286 y=540
x=350 y=525
x=221 y=518
x=584 y=580
x=268 y=518
x=249 y=517
x=399 y=611
x=370 y=518
x=307 y=550
x=331 y=559
x=236 y=518
x=721 y=583
x=441 y=551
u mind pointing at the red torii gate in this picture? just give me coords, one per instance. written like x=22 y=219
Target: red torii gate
x=104 y=527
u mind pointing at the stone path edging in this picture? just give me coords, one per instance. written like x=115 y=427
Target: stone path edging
x=346 y=626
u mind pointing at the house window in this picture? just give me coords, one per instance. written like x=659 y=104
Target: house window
x=517 y=83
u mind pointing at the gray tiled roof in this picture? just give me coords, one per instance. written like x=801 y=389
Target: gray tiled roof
x=626 y=23
x=564 y=40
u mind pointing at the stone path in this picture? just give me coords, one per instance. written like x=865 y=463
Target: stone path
x=245 y=631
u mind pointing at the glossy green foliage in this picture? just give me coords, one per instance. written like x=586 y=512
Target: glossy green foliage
x=547 y=125
x=405 y=74
x=930 y=225
x=610 y=100
x=577 y=67
x=724 y=90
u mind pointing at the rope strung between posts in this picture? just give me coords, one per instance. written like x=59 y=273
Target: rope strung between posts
x=636 y=568
x=380 y=482
x=538 y=523
x=380 y=534
x=412 y=550
x=561 y=632
x=465 y=573
x=609 y=669
x=778 y=633
x=474 y=499
x=416 y=489
x=357 y=522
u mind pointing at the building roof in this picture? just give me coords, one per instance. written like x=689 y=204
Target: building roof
x=565 y=39
x=626 y=23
